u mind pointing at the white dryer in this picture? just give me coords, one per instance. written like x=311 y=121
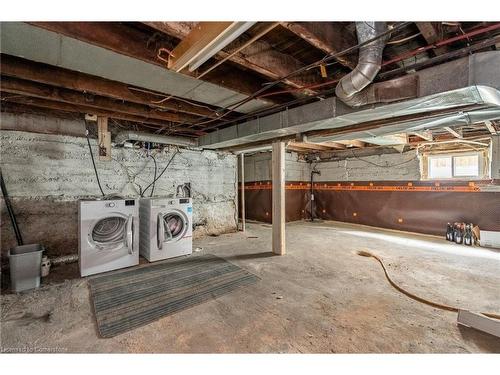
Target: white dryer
x=165 y=227
x=108 y=232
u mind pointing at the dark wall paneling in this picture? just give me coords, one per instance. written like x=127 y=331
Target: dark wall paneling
x=258 y=202
x=420 y=212
x=397 y=207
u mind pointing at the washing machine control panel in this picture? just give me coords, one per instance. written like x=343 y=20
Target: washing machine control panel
x=110 y=204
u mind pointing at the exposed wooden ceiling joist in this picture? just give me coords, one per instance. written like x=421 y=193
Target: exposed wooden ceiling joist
x=133 y=43
x=259 y=57
x=491 y=128
x=330 y=37
x=50 y=75
x=66 y=107
x=426 y=135
x=307 y=146
x=42 y=91
x=455 y=133
x=431 y=35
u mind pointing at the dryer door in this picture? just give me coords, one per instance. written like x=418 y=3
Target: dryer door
x=172 y=226
x=113 y=232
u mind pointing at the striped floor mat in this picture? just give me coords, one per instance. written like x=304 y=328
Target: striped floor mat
x=129 y=299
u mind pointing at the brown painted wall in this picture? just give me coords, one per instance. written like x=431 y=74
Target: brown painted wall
x=407 y=209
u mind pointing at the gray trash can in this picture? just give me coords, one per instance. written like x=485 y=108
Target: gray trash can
x=25 y=262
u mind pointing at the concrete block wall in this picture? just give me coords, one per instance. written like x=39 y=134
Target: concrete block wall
x=46 y=175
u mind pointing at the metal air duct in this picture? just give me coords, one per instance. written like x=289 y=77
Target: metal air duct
x=351 y=87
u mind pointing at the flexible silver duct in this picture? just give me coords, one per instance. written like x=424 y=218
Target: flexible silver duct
x=461 y=118
x=125 y=136
x=64 y=259
x=350 y=89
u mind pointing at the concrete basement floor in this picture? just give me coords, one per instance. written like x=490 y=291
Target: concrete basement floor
x=319 y=298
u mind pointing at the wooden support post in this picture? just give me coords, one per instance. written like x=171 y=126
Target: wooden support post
x=103 y=138
x=278 y=162
x=242 y=158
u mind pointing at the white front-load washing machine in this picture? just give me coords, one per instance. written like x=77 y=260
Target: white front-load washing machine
x=165 y=227
x=109 y=235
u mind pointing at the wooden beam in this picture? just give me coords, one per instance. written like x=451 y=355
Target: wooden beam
x=263 y=59
x=50 y=75
x=430 y=33
x=129 y=41
x=37 y=90
x=490 y=127
x=329 y=37
x=201 y=39
x=278 y=193
x=66 y=107
x=259 y=57
x=453 y=132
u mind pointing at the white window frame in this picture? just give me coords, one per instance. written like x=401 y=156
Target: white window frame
x=482 y=169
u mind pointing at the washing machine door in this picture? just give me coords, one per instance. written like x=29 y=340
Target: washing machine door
x=112 y=233
x=171 y=226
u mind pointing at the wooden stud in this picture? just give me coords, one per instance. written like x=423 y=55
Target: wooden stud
x=242 y=159
x=278 y=193
x=103 y=138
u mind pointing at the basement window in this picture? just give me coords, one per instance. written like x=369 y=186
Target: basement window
x=455 y=166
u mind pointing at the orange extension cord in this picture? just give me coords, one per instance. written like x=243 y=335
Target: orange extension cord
x=413 y=296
